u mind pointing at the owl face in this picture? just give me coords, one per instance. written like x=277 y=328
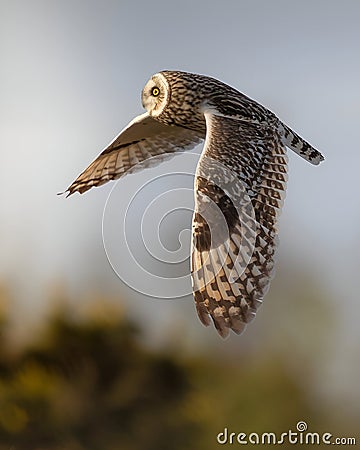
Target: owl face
x=175 y=98
x=155 y=95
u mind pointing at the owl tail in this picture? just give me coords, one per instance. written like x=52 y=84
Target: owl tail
x=299 y=145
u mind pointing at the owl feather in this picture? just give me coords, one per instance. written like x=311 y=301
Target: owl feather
x=239 y=187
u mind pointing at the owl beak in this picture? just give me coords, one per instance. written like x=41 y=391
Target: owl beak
x=147 y=102
x=143 y=100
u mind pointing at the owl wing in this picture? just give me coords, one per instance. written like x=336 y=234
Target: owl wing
x=239 y=190
x=144 y=140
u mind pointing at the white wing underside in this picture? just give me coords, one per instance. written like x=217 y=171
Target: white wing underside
x=145 y=142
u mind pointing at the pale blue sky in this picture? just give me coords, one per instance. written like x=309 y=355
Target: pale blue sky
x=71 y=78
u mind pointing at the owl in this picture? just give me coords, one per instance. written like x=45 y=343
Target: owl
x=240 y=183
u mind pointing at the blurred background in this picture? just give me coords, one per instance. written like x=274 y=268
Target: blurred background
x=87 y=362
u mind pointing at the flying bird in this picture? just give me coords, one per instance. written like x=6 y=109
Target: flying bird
x=240 y=184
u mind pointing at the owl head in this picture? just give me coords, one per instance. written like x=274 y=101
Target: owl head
x=175 y=98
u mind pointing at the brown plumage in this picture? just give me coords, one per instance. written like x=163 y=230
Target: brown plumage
x=239 y=185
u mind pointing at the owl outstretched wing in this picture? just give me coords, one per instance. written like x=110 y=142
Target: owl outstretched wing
x=145 y=140
x=239 y=190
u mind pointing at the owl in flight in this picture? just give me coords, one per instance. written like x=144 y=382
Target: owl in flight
x=240 y=184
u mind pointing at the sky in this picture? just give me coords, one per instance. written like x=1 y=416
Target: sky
x=71 y=78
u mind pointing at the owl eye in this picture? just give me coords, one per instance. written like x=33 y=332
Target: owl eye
x=155 y=91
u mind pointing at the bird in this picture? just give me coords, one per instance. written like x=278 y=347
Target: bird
x=239 y=187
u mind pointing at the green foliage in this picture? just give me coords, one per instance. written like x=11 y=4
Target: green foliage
x=92 y=384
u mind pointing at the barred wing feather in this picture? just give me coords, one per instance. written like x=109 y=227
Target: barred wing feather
x=145 y=141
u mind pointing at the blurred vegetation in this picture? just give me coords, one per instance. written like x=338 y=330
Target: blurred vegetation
x=89 y=382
